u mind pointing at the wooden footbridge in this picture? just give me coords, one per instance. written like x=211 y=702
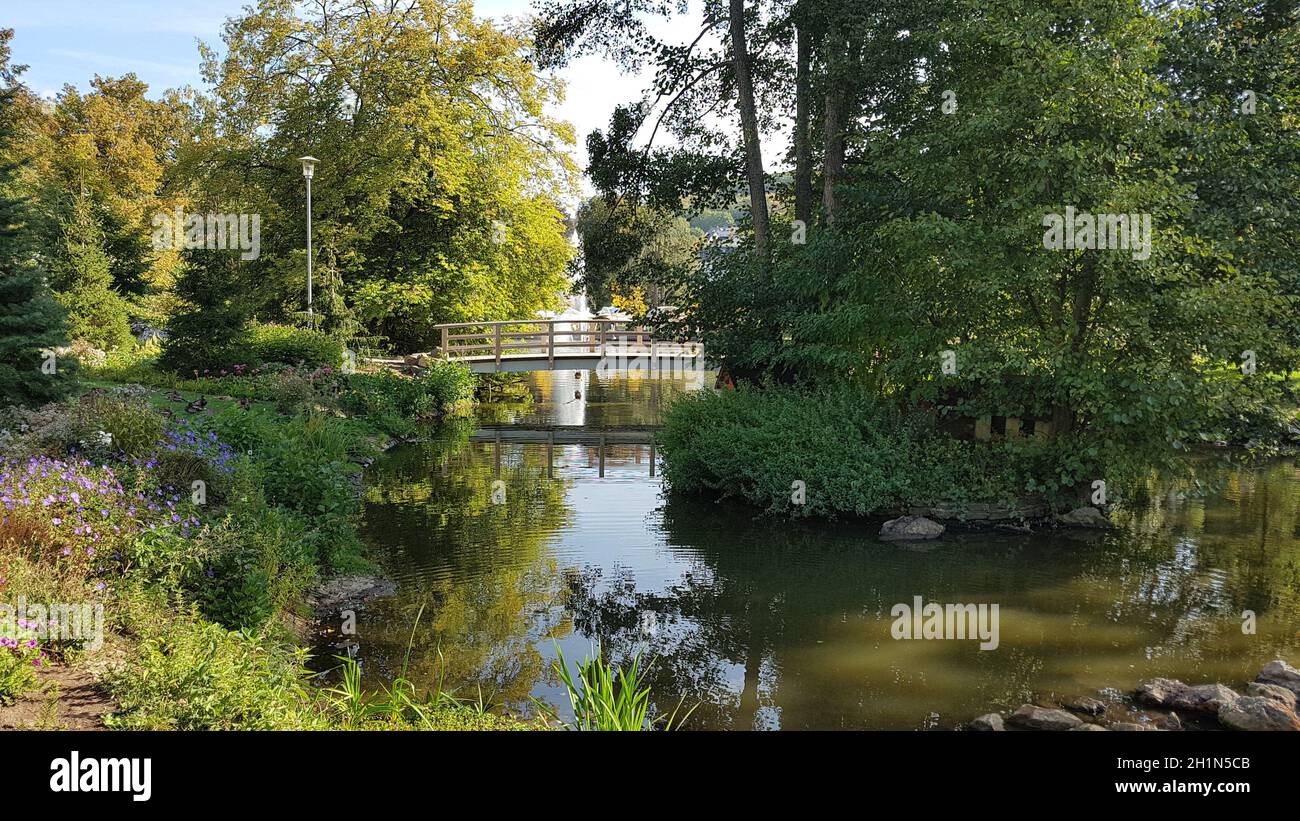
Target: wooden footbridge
x=560 y=344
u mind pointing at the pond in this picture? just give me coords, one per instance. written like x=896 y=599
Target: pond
x=509 y=549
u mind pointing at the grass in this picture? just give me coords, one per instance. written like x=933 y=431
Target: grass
x=611 y=698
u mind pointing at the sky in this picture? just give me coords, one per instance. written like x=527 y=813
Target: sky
x=69 y=41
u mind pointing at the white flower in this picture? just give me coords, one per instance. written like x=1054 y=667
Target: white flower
x=105 y=438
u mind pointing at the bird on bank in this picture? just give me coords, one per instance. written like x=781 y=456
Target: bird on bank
x=174 y=396
x=197 y=405
x=245 y=403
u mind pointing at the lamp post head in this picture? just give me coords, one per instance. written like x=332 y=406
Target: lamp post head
x=308 y=164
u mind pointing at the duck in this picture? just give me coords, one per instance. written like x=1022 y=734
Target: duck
x=175 y=396
x=245 y=403
x=197 y=405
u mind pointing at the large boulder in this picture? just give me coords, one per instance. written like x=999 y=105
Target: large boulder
x=992 y=722
x=910 y=528
x=1089 y=517
x=1282 y=674
x=1258 y=713
x=1206 y=699
x=1085 y=704
x=1029 y=717
x=1279 y=694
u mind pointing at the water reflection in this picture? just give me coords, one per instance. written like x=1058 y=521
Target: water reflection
x=774 y=625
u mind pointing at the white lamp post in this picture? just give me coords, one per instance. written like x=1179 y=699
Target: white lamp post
x=308 y=165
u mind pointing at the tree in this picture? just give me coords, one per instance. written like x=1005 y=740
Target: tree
x=83 y=283
x=437 y=195
x=627 y=246
x=206 y=333
x=31 y=322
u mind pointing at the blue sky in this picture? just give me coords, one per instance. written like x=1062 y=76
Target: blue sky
x=69 y=41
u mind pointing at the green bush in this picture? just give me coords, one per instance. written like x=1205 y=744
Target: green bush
x=193 y=675
x=294 y=346
x=391 y=400
x=135 y=427
x=856 y=454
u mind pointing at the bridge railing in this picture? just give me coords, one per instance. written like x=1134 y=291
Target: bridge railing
x=494 y=340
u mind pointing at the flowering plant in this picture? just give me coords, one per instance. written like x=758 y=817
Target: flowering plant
x=20 y=656
x=79 y=515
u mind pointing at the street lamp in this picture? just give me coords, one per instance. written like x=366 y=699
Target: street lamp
x=308 y=165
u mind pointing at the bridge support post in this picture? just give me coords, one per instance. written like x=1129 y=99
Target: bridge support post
x=497 y=346
x=550 y=344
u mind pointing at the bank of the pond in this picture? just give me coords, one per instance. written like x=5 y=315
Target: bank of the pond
x=1267 y=704
x=189 y=521
x=801 y=452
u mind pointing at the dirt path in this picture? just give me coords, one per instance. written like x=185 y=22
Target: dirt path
x=68 y=698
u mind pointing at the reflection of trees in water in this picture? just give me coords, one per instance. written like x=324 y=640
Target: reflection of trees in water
x=1195 y=560
x=761 y=594
x=484 y=570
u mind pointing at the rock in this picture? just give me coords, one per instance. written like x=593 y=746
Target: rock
x=1282 y=674
x=1170 y=722
x=1159 y=691
x=991 y=722
x=910 y=528
x=1086 y=705
x=1276 y=692
x=1029 y=717
x=1092 y=728
x=1258 y=713
x=1202 y=698
x=1084 y=517
x=1128 y=726
x=342 y=592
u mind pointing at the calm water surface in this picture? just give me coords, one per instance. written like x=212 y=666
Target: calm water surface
x=771 y=625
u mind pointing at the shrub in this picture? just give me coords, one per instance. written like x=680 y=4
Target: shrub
x=78 y=517
x=294 y=346
x=856 y=454
x=390 y=399
x=20 y=657
x=133 y=427
x=261 y=562
x=194 y=675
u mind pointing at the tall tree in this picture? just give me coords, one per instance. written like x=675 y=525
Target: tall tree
x=31 y=322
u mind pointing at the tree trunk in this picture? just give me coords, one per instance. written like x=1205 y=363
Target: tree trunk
x=833 y=162
x=803 y=190
x=749 y=128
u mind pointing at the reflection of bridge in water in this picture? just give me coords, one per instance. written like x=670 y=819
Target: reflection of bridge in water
x=602 y=440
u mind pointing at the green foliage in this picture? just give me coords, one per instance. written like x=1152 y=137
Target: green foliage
x=294 y=346
x=606 y=697
x=391 y=400
x=626 y=247
x=31 y=322
x=433 y=202
x=135 y=426
x=19 y=662
x=207 y=334
x=83 y=284
x=193 y=675
x=855 y=454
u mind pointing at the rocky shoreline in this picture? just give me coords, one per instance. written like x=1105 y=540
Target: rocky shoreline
x=1269 y=704
x=918 y=525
